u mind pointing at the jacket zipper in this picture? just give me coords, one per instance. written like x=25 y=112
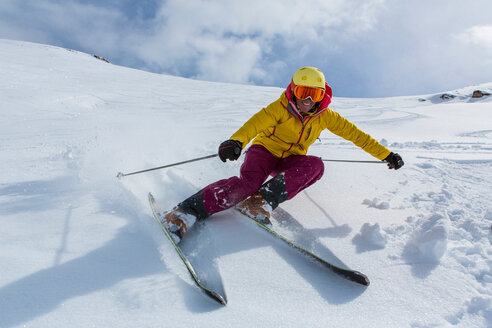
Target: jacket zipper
x=300 y=137
x=303 y=128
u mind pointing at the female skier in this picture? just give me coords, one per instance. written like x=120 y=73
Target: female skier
x=282 y=133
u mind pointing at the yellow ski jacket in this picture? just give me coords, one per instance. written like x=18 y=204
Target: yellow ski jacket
x=284 y=131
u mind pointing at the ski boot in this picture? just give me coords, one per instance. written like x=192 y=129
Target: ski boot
x=261 y=204
x=256 y=207
x=182 y=217
x=177 y=222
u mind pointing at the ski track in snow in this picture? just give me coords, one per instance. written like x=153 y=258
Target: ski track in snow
x=79 y=246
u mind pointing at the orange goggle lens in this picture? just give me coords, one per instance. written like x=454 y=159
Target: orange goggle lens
x=303 y=92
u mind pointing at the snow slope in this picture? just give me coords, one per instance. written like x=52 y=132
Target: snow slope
x=79 y=248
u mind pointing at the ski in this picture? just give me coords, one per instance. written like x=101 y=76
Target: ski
x=209 y=292
x=348 y=274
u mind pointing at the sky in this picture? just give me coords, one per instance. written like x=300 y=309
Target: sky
x=366 y=48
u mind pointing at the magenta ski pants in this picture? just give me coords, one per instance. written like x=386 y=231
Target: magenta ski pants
x=300 y=171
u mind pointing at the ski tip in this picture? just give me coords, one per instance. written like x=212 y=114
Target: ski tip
x=120 y=175
x=360 y=278
x=219 y=298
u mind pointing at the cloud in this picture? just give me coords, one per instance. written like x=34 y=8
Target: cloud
x=413 y=50
x=364 y=47
x=257 y=41
x=230 y=40
x=63 y=23
x=480 y=35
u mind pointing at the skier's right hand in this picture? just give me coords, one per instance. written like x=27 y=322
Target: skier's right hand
x=230 y=149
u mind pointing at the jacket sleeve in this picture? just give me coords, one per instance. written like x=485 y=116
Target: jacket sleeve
x=265 y=118
x=348 y=131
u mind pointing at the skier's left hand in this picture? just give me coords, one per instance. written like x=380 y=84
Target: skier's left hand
x=394 y=161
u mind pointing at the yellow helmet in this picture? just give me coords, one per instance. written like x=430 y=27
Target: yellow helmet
x=309 y=77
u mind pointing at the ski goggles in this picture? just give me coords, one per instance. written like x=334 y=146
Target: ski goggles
x=303 y=92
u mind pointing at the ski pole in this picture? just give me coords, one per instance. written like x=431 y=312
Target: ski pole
x=120 y=175
x=351 y=161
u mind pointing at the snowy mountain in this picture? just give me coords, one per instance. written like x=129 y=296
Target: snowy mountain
x=79 y=247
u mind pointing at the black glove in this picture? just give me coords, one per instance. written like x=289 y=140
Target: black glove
x=230 y=149
x=394 y=161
